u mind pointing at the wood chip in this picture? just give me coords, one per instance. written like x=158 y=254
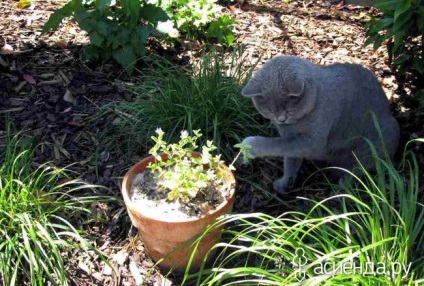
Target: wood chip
x=20 y=86
x=136 y=273
x=69 y=98
x=17 y=109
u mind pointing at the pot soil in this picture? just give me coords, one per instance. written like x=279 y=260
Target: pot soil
x=170 y=232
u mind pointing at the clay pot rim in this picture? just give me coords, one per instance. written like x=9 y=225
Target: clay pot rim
x=134 y=208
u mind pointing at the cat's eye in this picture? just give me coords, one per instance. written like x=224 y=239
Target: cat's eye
x=294 y=98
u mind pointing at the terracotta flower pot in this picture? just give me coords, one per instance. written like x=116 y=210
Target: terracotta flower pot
x=162 y=237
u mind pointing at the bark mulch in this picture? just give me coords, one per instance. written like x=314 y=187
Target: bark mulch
x=48 y=91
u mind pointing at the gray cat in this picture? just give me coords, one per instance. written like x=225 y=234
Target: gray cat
x=321 y=113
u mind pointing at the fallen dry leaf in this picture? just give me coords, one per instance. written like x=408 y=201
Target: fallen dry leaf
x=23 y=3
x=29 y=79
x=234 y=9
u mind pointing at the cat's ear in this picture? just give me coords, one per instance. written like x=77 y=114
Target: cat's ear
x=296 y=87
x=252 y=88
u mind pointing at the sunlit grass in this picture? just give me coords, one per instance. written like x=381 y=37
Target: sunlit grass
x=39 y=208
x=370 y=233
x=207 y=98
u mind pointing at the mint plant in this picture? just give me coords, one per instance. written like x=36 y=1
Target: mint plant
x=184 y=175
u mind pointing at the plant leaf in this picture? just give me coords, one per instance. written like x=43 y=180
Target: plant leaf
x=402 y=7
x=96 y=39
x=420 y=19
x=386 y=6
x=23 y=3
x=153 y=14
x=70 y=8
x=126 y=57
x=102 y=4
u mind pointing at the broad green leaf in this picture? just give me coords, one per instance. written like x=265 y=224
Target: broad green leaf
x=143 y=33
x=132 y=10
x=139 y=38
x=418 y=64
x=403 y=23
x=378 y=40
x=56 y=18
x=420 y=19
x=380 y=25
x=90 y=53
x=126 y=57
x=402 y=7
x=419 y=96
x=102 y=4
x=102 y=28
x=54 y=21
x=153 y=14
x=96 y=39
x=79 y=16
x=221 y=29
x=387 y=6
x=229 y=39
x=369 y=40
x=122 y=37
x=88 y=24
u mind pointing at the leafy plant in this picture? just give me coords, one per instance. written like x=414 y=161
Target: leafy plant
x=193 y=17
x=208 y=99
x=371 y=233
x=184 y=175
x=190 y=14
x=221 y=29
x=402 y=25
x=121 y=28
x=37 y=217
x=117 y=29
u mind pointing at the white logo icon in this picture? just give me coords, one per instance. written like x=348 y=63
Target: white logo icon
x=300 y=260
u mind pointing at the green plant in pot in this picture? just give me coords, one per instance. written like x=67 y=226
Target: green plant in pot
x=173 y=195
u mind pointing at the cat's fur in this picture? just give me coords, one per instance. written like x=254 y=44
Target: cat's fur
x=321 y=113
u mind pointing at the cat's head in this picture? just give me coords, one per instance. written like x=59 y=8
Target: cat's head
x=283 y=90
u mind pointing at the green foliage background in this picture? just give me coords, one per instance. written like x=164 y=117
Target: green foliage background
x=402 y=25
x=121 y=28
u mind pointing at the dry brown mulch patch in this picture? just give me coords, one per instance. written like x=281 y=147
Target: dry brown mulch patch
x=47 y=90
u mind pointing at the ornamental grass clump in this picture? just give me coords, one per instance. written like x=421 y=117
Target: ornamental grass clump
x=370 y=233
x=206 y=98
x=38 y=207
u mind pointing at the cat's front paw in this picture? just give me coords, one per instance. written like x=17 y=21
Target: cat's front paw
x=283 y=185
x=251 y=142
x=280 y=187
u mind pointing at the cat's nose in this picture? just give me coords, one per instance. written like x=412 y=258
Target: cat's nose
x=282 y=117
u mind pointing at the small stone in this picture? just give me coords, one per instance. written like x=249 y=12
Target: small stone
x=120 y=257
